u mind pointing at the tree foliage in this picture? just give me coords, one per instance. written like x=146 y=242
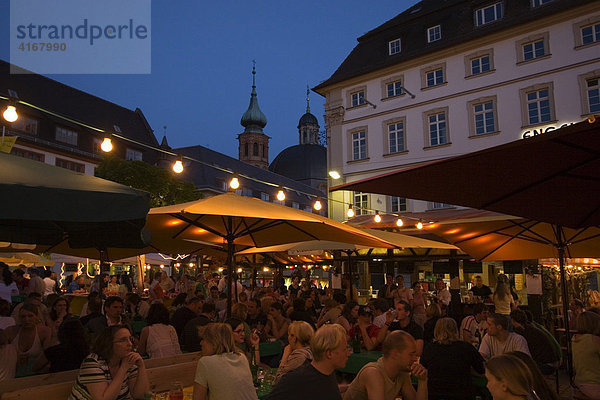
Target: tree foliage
x=164 y=188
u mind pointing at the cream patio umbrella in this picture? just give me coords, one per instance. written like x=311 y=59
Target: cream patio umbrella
x=233 y=220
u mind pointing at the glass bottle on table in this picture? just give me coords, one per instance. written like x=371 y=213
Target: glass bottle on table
x=176 y=392
x=254 y=368
x=356 y=340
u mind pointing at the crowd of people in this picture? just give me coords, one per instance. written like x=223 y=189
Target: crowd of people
x=426 y=352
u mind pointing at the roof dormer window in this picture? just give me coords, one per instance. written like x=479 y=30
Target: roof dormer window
x=394 y=47
x=488 y=14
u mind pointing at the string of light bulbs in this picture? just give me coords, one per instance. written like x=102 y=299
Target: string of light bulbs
x=11 y=115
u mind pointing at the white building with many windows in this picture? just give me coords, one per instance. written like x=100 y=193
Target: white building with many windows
x=448 y=77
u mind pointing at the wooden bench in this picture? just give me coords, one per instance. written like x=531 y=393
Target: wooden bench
x=162 y=372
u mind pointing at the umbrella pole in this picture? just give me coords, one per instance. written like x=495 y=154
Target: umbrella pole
x=565 y=297
x=230 y=251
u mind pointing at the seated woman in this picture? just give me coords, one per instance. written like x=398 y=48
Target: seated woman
x=158 y=338
x=30 y=337
x=449 y=361
x=542 y=390
x=509 y=378
x=59 y=311
x=277 y=324
x=298 y=351
x=223 y=372
x=112 y=370
x=586 y=354
x=72 y=347
x=365 y=330
x=249 y=345
x=349 y=315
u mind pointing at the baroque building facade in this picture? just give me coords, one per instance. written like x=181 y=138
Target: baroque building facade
x=450 y=77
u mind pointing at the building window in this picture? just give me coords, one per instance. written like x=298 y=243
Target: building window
x=255 y=149
x=246 y=149
x=73 y=166
x=593 y=95
x=590 y=92
x=434 y=33
x=360 y=203
x=590 y=34
x=483 y=116
x=434 y=75
x=264 y=196
x=66 y=136
x=587 y=32
x=488 y=14
x=133 y=155
x=437 y=127
x=395 y=47
x=26 y=124
x=295 y=205
x=480 y=65
x=533 y=50
x=359 y=145
x=532 y=47
x=398 y=204
x=27 y=154
x=358 y=99
x=537 y=104
x=396 y=137
x=537 y=3
x=437 y=206
x=394 y=89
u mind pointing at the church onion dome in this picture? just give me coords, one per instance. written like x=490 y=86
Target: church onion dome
x=301 y=162
x=308 y=119
x=253 y=119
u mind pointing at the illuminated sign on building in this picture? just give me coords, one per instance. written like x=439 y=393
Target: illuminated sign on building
x=543 y=129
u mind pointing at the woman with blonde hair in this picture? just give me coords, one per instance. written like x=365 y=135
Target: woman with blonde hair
x=509 y=378
x=448 y=361
x=503 y=300
x=586 y=354
x=223 y=372
x=298 y=351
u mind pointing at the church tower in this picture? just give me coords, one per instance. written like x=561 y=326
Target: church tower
x=308 y=126
x=253 y=147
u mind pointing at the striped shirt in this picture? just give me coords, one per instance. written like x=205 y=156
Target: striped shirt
x=95 y=369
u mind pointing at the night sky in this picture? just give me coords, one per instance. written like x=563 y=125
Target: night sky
x=202 y=55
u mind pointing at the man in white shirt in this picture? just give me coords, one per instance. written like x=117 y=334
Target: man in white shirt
x=499 y=340
x=442 y=294
x=474 y=327
x=49 y=284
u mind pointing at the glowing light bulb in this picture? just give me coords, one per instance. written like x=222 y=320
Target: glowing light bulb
x=350 y=212
x=334 y=174
x=377 y=218
x=10 y=114
x=399 y=222
x=234 y=183
x=317 y=206
x=280 y=195
x=419 y=225
x=106 y=145
x=266 y=269
x=239 y=270
x=178 y=167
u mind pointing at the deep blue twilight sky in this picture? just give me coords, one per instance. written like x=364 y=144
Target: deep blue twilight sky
x=202 y=54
